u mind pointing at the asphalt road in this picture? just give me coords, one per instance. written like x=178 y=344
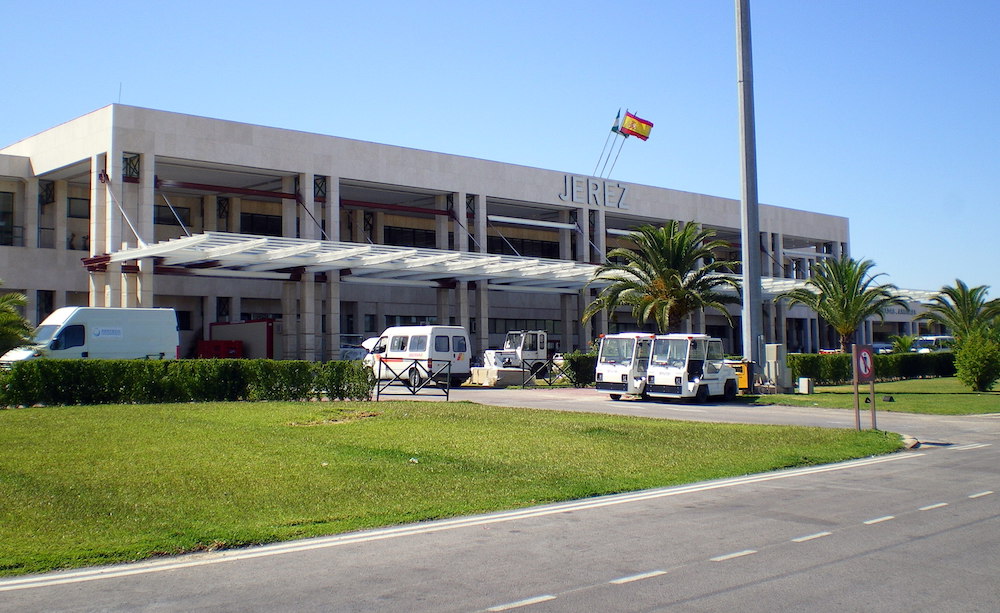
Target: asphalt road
x=914 y=531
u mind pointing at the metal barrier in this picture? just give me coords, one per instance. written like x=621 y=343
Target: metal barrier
x=418 y=376
x=548 y=372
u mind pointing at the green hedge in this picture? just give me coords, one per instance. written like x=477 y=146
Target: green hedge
x=64 y=382
x=580 y=367
x=835 y=368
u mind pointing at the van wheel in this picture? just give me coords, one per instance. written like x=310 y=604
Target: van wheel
x=616 y=396
x=701 y=396
x=729 y=391
x=416 y=379
x=458 y=381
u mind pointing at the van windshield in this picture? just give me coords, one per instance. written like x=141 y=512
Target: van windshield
x=44 y=334
x=513 y=340
x=617 y=350
x=669 y=352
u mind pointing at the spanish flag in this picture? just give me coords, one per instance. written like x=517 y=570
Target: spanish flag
x=636 y=126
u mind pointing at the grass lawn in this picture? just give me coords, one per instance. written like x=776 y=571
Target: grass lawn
x=942 y=396
x=97 y=484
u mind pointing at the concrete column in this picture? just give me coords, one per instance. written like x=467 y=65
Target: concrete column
x=482 y=336
x=568 y=327
x=209 y=315
x=441 y=223
x=289 y=320
x=210 y=214
x=782 y=324
x=480 y=219
x=583 y=329
x=332 y=209
x=235 y=309
x=310 y=221
x=307 y=316
x=233 y=220
x=463 y=304
x=333 y=310
x=779 y=255
x=289 y=209
x=145 y=288
x=601 y=237
x=583 y=242
x=29 y=214
x=461 y=223
x=443 y=306
x=59 y=221
x=358 y=226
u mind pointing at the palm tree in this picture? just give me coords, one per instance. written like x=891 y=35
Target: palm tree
x=670 y=273
x=844 y=293
x=963 y=310
x=14 y=329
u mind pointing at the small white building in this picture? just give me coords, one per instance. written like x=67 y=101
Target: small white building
x=332 y=237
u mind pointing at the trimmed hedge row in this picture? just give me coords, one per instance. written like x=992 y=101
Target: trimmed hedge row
x=835 y=368
x=580 y=367
x=64 y=382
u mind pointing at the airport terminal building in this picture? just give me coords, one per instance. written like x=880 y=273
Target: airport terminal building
x=337 y=239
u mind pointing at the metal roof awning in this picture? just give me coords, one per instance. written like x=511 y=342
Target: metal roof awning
x=227 y=254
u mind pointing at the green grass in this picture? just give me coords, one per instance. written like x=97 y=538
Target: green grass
x=941 y=396
x=98 y=484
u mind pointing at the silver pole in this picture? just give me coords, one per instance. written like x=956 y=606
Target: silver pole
x=750 y=220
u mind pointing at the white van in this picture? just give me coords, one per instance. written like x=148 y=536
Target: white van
x=414 y=353
x=102 y=332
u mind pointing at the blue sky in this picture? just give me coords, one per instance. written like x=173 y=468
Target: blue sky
x=883 y=111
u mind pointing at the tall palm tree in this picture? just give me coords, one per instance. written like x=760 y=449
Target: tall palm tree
x=844 y=293
x=14 y=329
x=671 y=272
x=963 y=310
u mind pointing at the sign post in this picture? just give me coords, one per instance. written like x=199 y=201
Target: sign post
x=863 y=363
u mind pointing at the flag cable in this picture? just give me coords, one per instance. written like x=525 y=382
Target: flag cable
x=103 y=177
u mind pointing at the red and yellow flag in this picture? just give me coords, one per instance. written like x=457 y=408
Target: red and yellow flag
x=636 y=126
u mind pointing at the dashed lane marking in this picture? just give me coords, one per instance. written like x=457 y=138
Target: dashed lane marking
x=730 y=556
x=522 y=603
x=810 y=537
x=879 y=520
x=639 y=577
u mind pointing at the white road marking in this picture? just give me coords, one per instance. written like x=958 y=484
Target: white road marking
x=522 y=603
x=931 y=507
x=234 y=555
x=879 y=520
x=981 y=494
x=803 y=539
x=970 y=446
x=730 y=556
x=640 y=577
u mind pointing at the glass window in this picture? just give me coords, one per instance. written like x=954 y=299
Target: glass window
x=458 y=344
x=398 y=343
x=616 y=350
x=670 y=352
x=715 y=350
x=78 y=208
x=71 y=336
x=163 y=216
x=441 y=343
x=418 y=343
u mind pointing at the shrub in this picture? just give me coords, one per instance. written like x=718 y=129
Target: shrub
x=977 y=362
x=835 y=368
x=65 y=382
x=580 y=367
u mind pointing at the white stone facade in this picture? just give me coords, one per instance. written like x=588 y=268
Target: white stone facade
x=114 y=179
